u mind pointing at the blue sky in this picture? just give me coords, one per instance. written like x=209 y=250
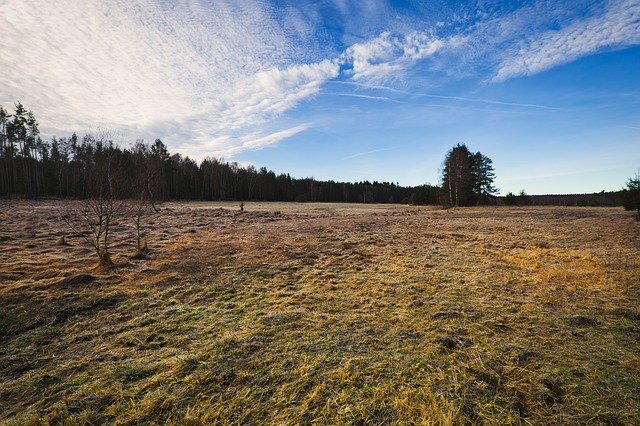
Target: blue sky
x=340 y=89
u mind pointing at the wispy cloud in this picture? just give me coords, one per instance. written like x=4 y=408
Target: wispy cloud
x=487 y=101
x=218 y=78
x=373 y=151
x=618 y=26
x=386 y=56
x=357 y=95
x=198 y=74
x=370 y=86
x=227 y=146
x=206 y=78
x=270 y=93
x=271 y=139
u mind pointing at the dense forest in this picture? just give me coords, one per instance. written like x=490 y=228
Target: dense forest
x=82 y=167
x=89 y=166
x=599 y=199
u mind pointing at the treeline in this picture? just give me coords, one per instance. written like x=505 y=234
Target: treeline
x=86 y=167
x=91 y=166
x=598 y=199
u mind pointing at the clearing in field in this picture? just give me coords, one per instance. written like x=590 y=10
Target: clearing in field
x=323 y=313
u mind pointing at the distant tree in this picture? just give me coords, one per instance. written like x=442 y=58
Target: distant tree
x=31 y=135
x=457 y=177
x=160 y=149
x=4 y=119
x=6 y=154
x=524 y=199
x=510 y=199
x=467 y=178
x=17 y=129
x=17 y=137
x=159 y=165
x=631 y=194
x=483 y=177
x=250 y=176
x=36 y=152
x=424 y=195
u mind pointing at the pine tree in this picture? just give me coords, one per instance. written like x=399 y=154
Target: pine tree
x=483 y=176
x=467 y=178
x=631 y=194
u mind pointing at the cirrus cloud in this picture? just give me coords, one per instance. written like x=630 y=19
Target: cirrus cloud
x=218 y=78
x=619 y=26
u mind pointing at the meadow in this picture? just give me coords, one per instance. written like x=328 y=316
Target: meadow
x=323 y=313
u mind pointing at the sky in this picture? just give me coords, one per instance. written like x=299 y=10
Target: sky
x=347 y=90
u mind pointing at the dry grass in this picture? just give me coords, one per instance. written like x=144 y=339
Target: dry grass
x=330 y=314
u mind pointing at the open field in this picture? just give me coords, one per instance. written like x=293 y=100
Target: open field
x=324 y=313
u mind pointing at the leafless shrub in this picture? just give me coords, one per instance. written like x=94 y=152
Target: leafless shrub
x=145 y=187
x=92 y=220
x=141 y=208
x=93 y=217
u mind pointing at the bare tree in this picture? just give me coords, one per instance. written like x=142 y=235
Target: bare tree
x=146 y=181
x=92 y=221
x=140 y=210
x=93 y=218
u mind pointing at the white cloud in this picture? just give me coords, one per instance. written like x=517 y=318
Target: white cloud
x=270 y=93
x=150 y=69
x=227 y=146
x=386 y=56
x=357 y=95
x=217 y=78
x=207 y=78
x=487 y=101
x=373 y=151
x=273 y=138
x=618 y=26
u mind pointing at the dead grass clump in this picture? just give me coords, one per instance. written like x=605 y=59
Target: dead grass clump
x=575 y=267
x=75 y=280
x=129 y=373
x=582 y=321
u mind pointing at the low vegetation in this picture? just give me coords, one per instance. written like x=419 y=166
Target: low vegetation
x=327 y=313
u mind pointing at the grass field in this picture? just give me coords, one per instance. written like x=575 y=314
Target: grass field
x=324 y=313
